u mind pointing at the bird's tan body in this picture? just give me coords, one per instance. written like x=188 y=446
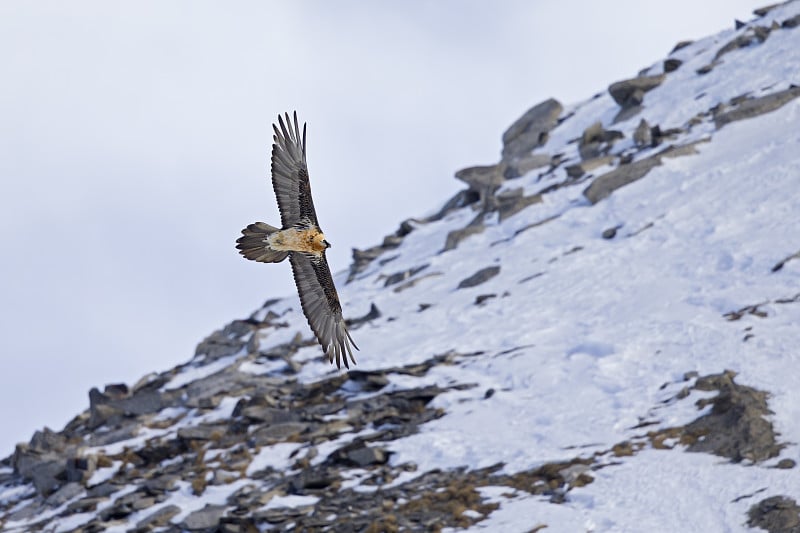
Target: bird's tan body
x=310 y=240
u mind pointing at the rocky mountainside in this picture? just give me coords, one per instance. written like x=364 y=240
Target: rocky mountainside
x=599 y=333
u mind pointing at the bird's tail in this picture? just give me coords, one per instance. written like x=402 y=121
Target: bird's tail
x=253 y=244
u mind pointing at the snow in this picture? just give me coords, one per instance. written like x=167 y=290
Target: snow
x=290 y=501
x=277 y=456
x=578 y=356
x=586 y=337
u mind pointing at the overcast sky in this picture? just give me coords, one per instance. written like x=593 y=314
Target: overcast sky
x=134 y=146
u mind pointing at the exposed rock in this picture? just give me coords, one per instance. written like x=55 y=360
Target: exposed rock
x=735 y=428
x=511 y=202
x=360 y=455
x=531 y=130
x=756 y=106
x=597 y=141
x=481 y=276
x=363 y=258
x=610 y=233
x=62 y=495
x=373 y=314
x=483 y=180
x=672 y=64
x=643 y=136
x=412 y=282
x=525 y=164
x=753 y=35
x=761 y=11
x=204 y=519
x=792 y=22
x=584 y=167
x=604 y=185
x=397 y=277
x=630 y=93
x=458 y=235
x=679 y=45
x=780 y=264
x=756 y=34
x=777 y=514
x=482 y=298
x=159 y=518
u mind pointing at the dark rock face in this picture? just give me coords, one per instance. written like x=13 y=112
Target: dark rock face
x=630 y=93
x=481 y=276
x=754 y=107
x=736 y=427
x=530 y=130
x=604 y=185
x=777 y=514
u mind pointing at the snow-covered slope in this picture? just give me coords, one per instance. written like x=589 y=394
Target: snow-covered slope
x=545 y=350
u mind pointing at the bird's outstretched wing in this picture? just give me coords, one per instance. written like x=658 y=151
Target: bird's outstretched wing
x=290 y=173
x=321 y=306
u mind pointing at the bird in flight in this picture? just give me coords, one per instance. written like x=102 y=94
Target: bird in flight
x=302 y=241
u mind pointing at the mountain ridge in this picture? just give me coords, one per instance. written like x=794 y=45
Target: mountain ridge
x=620 y=265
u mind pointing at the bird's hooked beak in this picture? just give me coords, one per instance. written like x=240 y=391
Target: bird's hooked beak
x=326 y=243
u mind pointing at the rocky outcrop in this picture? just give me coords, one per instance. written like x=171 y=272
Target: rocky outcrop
x=531 y=130
x=776 y=514
x=604 y=185
x=630 y=92
x=753 y=107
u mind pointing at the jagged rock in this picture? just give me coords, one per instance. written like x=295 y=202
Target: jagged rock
x=643 y=136
x=484 y=180
x=481 y=298
x=754 y=107
x=761 y=11
x=204 y=519
x=610 y=233
x=756 y=34
x=752 y=35
x=269 y=415
x=159 y=518
x=672 y=64
x=679 y=45
x=373 y=314
x=145 y=401
x=458 y=235
x=362 y=258
x=525 y=164
x=43 y=471
x=481 y=276
x=531 y=129
x=777 y=514
x=779 y=265
x=85 y=505
x=360 y=455
x=64 y=494
x=103 y=490
x=80 y=468
x=792 y=22
x=368 y=381
x=415 y=281
x=736 y=427
x=285 y=431
x=397 y=277
x=202 y=432
x=630 y=93
x=597 y=141
x=604 y=185
x=511 y=202
x=584 y=167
